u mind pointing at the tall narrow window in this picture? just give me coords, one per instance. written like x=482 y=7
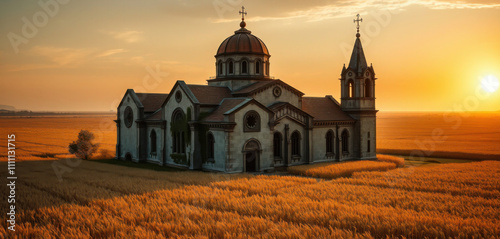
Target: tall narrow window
x=267 y=68
x=183 y=144
x=220 y=68
x=329 y=142
x=350 y=89
x=368 y=145
x=210 y=147
x=257 y=67
x=231 y=67
x=152 y=140
x=244 y=67
x=277 y=145
x=178 y=140
x=368 y=88
x=295 y=143
x=345 y=142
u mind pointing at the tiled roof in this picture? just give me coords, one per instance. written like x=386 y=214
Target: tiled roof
x=151 y=102
x=155 y=116
x=324 y=109
x=276 y=105
x=262 y=85
x=210 y=95
x=226 y=105
x=252 y=87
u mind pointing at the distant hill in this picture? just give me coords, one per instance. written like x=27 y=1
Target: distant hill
x=7 y=107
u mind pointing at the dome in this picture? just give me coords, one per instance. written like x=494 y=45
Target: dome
x=242 y=42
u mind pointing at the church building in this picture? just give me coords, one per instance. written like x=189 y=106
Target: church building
x=243 y=120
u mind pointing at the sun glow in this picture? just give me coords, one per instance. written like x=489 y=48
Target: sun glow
x=490 y=83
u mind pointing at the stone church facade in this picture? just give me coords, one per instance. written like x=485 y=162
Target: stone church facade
x=245 y=121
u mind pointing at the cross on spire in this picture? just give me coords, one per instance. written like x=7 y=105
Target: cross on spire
x=243 y=13
x=357 y=20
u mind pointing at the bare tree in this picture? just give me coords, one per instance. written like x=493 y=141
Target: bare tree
x=83 y=147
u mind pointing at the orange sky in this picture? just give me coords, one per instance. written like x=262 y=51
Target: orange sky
x=83 y=55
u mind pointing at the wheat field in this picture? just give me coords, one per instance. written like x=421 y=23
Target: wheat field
x=47 y=138
x=363 y=199
x=445 y=201
x=333 y=170
x=474 y=133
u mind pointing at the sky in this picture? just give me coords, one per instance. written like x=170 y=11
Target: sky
x=67 y=55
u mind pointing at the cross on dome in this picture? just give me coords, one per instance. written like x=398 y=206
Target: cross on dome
x=243 y=13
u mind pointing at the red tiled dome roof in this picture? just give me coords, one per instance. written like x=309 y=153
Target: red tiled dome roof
x=242 y=42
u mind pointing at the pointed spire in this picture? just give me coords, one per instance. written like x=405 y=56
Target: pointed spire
x=358 y=60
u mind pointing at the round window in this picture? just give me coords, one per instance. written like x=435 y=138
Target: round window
x=128 y=116
x=350 y=74
x=178 y=96
x=277 y=91
x=251 y=121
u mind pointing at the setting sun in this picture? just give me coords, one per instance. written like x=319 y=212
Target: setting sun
x=490 y=83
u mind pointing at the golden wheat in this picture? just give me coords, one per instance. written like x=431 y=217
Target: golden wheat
x=399 y=161
x=344 y=169
x=389 y=204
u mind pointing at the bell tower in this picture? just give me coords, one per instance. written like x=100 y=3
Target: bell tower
x=357 y=85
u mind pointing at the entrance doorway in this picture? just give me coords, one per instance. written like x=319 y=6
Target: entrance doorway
x=250 y=161
x=251 y=152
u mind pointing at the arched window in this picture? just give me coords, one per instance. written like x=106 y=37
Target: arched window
x=368 y=88
x=220 y=68
x=231 y=67
x=257 y=67
x=329 y=142
x=277 y=145
x=350 y=89
x=152 y=141
x=210 y=147
x=244 y=67
x=178 y=140
x=295 y=143
x=345 y=142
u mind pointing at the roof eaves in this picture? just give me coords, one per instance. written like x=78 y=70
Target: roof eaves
x=188 y=92
x=245 y=101
x=135 y=98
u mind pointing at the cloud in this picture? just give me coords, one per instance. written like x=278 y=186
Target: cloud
x=458 y=5
x=319 y=11
x=25 y=67
x=111 y=52
x=50 y=57
x=127 y=36
x=62 y=56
